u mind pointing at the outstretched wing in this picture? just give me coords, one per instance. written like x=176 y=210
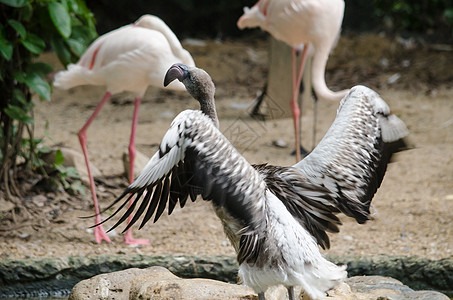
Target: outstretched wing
x=351 y=159
x=195 y=158
x=311 y=205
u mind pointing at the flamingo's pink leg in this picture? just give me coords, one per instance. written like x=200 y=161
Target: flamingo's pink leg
x=296 y=79
x=99 y=231
x=128 y=238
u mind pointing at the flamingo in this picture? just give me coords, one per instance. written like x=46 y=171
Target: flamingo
x=302 y=24
x=275 y=217
x=126 y=59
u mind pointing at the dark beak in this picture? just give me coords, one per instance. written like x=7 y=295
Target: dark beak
x=177 y=71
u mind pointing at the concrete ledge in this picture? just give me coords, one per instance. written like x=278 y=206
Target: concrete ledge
x=57 y=276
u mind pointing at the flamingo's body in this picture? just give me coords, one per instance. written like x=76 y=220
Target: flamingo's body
x=129 y=59
x=275 y=217
x=308 y=23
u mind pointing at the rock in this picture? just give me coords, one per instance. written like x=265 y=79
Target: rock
x=6 y=206
x=73 y=158
x=280 y=143
x=115 y=285
x=155 y=283
x=341 y=292
x=139 y=163
x=159 y=283
x=387 y=288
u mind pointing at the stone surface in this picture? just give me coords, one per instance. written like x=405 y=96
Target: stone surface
x=155 y=283
x=57 y=276
x=387 y=288
x=159 y=283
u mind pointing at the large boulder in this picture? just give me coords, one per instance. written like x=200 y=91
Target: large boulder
x=155 y=283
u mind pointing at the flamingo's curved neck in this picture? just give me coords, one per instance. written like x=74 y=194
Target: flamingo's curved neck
x=171 y=38
x=318 y=77
x=208 y=108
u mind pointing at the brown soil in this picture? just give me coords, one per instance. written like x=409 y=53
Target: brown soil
x=414 y=206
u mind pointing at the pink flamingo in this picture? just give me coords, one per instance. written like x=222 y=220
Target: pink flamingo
x=301 y=22
x=126 y=59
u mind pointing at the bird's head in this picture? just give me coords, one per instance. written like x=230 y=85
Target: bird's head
x=197 y=81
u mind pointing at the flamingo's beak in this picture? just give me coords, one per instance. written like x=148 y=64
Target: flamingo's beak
x=177 y=71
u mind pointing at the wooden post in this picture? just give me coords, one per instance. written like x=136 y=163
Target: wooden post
x=279 y=82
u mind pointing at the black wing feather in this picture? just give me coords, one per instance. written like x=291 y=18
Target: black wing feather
x=154 y=201
x=163 y=198
x=129 y=210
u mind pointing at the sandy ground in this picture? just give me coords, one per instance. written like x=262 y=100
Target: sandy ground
x=414 y=206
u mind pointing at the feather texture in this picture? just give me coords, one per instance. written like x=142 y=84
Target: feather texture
x=128 y=59
x=271 y=216
x=191 y=157
x=351 y=159
x=274 y=216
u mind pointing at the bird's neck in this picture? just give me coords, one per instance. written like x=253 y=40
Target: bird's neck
x=208 y=108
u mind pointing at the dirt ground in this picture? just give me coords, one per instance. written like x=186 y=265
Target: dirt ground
x=414 y=206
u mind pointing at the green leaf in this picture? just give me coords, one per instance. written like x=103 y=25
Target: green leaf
x=72 y=173
x=38 y=85
x=61 y=49
x=26 y=13
x=17 y=113
x=76 y=46
x=59 y=159
x=60 y=18
x=19 y=77
x=40 y=68
x=61 y=169
x=77 y=187
x=42 y=149
x=19 y=96
x=15 y=3
x=33 y=43
x=6 y=49
x=448 y=13
x=19 y=99
x=20 y=29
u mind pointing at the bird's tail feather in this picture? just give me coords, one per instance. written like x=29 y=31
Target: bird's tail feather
x=393 y=129
x=75 y=75
x=323 y=277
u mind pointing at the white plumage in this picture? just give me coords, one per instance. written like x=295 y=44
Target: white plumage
x=129 y=59
x=275 y=217
x=313 y=24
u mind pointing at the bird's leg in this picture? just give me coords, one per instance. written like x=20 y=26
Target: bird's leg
x=132 y=152
x=291 y=293
x=261 y=296
x=294 y=105
x=258 y=101
x=315 y=118
x=99 y=231
x=128 y=238
x=296 y=79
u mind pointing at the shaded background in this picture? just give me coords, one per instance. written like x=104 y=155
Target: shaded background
x=217 y=19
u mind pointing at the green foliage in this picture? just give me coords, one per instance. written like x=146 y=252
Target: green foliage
x=418 y=16
x=56 y=175
x=28 y=28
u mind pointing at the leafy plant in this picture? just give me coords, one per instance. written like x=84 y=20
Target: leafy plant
x=63 y=177
x=418 y=16
x=27 y=28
